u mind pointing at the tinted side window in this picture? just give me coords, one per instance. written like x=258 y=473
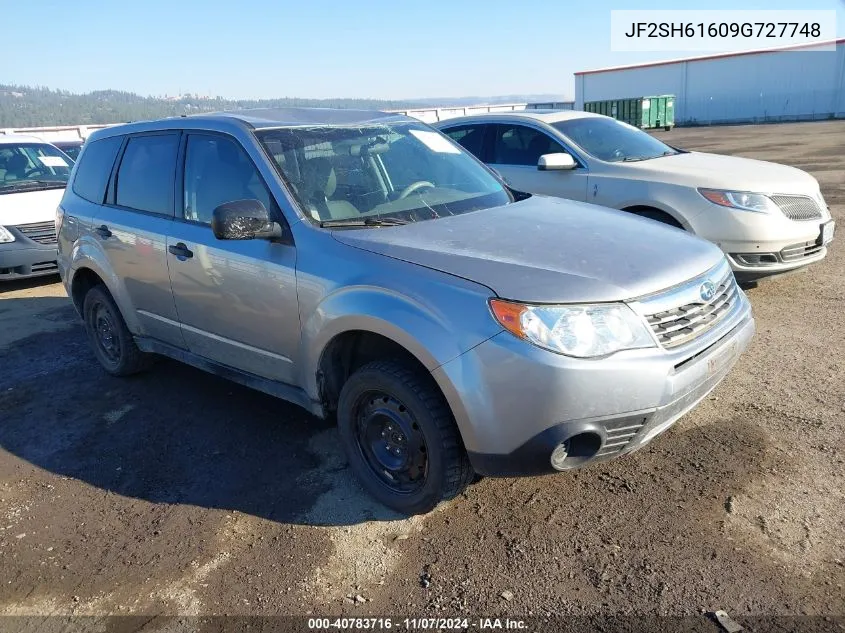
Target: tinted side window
x=521 y=145
x=471 y=137
x=218 y=170
x=146 y=172
x=92 y=174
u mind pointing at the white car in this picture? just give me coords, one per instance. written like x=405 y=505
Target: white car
x=33 y=175
x=767 y=218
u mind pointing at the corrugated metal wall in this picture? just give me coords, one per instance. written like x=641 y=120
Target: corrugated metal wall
x=783 y=85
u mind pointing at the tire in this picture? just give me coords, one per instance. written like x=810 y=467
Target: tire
x=111 y=340
x=386 y=406
x=658 y=216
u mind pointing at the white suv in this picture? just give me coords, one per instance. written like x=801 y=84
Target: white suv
x=767 y=218
x=33 y=175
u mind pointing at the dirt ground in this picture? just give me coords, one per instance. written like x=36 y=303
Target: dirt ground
x=175 y=492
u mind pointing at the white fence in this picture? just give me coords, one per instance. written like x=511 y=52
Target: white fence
x=433 y=115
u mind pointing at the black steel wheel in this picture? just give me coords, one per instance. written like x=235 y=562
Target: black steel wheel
x=400 y=437
x=113 y=344
x=391 y=442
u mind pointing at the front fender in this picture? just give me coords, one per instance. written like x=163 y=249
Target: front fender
x=655 y=204
x=86 y=253
x=425 y=331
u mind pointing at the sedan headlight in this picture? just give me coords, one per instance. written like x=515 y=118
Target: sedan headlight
x=584 y=331
x=5 y=236
x=742 y=200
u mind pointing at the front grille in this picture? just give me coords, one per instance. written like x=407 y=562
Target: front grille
x=795 y=252
x=619 y=435
x=798 y=207
x=686 y=322
x=44 y=266
x=41 y=232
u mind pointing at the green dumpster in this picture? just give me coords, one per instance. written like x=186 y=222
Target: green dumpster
x=643 y=112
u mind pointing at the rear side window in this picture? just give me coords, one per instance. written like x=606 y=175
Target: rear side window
x=145 y=178
x=94 y=169
x=470 y=137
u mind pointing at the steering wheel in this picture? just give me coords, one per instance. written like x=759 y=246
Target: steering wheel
x=407 y=191
x=34 y=170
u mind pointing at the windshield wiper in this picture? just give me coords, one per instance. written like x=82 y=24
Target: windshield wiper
x=367 y=221
x=30 y=184
x=632 y=159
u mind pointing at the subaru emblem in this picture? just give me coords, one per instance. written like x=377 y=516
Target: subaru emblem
x=707 y=290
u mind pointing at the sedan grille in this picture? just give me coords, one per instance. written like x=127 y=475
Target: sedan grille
x=41 y=232
x=686 y=322
x=798 y=207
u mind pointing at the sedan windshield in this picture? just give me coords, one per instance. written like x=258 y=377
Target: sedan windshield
x=71 y=149
x=27 y=166
x=389 y=173
x=611 y=140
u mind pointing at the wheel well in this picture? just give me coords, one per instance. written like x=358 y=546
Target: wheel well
x=83 y=281
x=351 y=350
x=654 y=214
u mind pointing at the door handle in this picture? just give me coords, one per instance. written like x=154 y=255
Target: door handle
x=181 y=251
x=103 y=231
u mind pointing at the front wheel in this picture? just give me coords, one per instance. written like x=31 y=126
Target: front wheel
x=400 y=438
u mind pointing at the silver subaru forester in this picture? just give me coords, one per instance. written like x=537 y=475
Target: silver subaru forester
x=364 y=266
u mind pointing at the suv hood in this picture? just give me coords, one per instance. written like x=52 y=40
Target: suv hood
x=698 y=169
x=547 y=250
x=29 y=207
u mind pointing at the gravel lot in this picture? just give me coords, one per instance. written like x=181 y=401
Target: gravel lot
x=176 y=492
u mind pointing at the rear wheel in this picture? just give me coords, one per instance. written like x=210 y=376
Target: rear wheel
x=113 y=344
x=400 y=438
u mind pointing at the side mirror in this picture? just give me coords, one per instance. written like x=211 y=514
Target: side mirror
x=556 y=162
x=243 y=220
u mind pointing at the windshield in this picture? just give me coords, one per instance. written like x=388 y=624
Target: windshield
x=32 y=166
x=71 y=149
x=404 y=172
x=611 y=140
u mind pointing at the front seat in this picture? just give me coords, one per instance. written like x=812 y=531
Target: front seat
x=317 y=186
x=16 y=167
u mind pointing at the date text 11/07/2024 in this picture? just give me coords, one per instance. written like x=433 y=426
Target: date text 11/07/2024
x=416 y=624
x=724 y=29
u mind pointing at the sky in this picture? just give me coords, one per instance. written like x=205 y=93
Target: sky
x=397 y=49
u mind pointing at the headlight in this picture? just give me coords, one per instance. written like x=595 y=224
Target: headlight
x=742 y=200
x=583 y=331
x=5 y=236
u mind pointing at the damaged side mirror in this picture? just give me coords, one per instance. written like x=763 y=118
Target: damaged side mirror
x=243 y=220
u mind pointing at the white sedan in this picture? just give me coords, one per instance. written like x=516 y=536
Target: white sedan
x=767 y=218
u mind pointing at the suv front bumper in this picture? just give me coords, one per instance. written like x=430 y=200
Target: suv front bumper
x=515 y=403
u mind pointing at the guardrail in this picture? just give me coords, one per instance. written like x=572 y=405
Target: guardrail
x=57 y=132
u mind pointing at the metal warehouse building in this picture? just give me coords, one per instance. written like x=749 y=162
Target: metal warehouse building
x=789 y=83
